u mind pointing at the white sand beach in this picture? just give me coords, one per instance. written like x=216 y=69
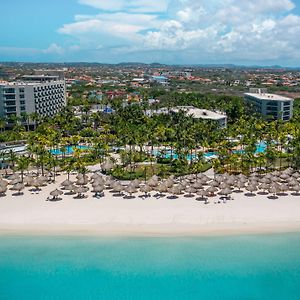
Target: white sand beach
x=110 y=215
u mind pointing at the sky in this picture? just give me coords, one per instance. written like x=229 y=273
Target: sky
x=243 y=32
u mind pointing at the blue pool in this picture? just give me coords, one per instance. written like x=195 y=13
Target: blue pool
x=68 y=150
x=260 y=148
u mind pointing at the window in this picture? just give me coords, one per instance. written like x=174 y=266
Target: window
x=22 y=102
x=22 y=96
x=23 y=108
x=10 y=103
x=10 y=109
x=21 y=90
x=12 y=97
x=9 y=90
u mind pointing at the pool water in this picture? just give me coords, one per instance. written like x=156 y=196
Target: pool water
x=68 y=150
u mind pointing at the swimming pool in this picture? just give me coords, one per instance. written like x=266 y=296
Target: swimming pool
x=68 y=150
x=260 y=148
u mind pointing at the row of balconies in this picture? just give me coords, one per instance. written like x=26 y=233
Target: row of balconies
x=48 y=87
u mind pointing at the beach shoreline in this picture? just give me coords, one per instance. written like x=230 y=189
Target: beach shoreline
x=31 y=214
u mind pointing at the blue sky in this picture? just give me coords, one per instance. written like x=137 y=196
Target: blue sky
x=167 y=31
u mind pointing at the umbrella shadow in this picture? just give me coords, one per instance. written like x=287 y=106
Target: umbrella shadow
x=263 y=193
x=129 y=197
x=80 y=197
x=172 y=197
x=69 y=193
x=237 y=191
x=18 y=194
x=295 y=194
x=189 y=195
x=282 y=194
x=118 y=195
x=250 y=194
x=54 y=199
x=273 y=197
x=2 y=195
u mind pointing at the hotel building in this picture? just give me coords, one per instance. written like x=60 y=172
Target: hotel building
x=40 y=94
x=269 y=105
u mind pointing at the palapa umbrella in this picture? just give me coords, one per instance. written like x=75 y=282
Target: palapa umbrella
x=43 y=178
x=202 y=194
x=223 y=185
x=3 y=189
x=81 y=190
x=240 y=185
x=28 y=180
x=153 y=182
x=37 y=183
x=3 y=182
x=66 y=183
x=107 y=166
x=96 y=176
x=197 y=185
x=190 y=190
x=211 y=190
x=296 y=175
x=214 y=183
x=118 y=188
x=296 y=188
x=161 y=188
x=82 y=181
x=169 y=182
x=264 y=187
x=283 y=187
x=226 y=191
x=174 y=191
x=18 y=187
x=274 y=190
x=15 y=181
x=146 y=189
x=136 y=183
x=56 y=193
x=130 y=189
x=284 y=176
x=98 y=189
x=251 y=188
x=14 y=176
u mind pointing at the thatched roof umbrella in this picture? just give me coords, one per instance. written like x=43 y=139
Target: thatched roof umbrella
x=275 y=179
x=274 y=189
x=98 y=189
x=190 y=190
x=174 y=191
x=226 y=191
x=96 y=176
x=28 y=180
x=3 y=189
x=136 y=183
x=3 y=182
x=283 y=187
x=153 y=182
x=56 y=193
x=146 y=189
x=203 y=194
x=43 y=178
x=161 y=188
x=288 y=171
x=130 y=189
x=37 y=183
x=264 y=180
x=18 y=187
x=107 y=166
x=211 y=190
x=264 y=187
x=276 y=173
x=197 y=185
x=214 y=183
x=285 y=176
x=296 y=188
x=292 y=181
x=82 y=181
x=251 y=188
x=240 y=185
x=223 y=185
x=118 y=188
x=71 y=187
x=81 y=190
x=15 y=181
x=296 y=175
x=14 y=176
x=169 y=182
x=67 y=182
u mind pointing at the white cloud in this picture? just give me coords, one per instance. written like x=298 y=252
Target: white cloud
x=53 y=49
x=128 y=5
x=228 y=29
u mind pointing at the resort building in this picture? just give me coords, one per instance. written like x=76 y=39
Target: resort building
x=270 y=105
x=40 y=94
x=196 y=113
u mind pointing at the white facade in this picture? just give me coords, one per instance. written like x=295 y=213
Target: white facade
x=194 y=112
x=270 y=105
x=46 y=98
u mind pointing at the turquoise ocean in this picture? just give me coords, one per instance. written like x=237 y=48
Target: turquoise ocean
x=231 y=267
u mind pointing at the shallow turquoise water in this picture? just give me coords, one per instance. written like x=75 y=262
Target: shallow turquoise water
x=242 y=267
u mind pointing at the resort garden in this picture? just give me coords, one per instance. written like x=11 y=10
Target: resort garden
x=128 y=145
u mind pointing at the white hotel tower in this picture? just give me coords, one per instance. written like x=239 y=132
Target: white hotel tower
x=41 y=94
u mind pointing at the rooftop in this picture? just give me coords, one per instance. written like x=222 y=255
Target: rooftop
x=198 y=113
x=266 y=96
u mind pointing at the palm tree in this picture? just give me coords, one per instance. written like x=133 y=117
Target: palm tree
x=23 y=163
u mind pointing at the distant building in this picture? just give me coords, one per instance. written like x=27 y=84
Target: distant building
x=196 y=113
x=44 y=95
x=270 y=105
